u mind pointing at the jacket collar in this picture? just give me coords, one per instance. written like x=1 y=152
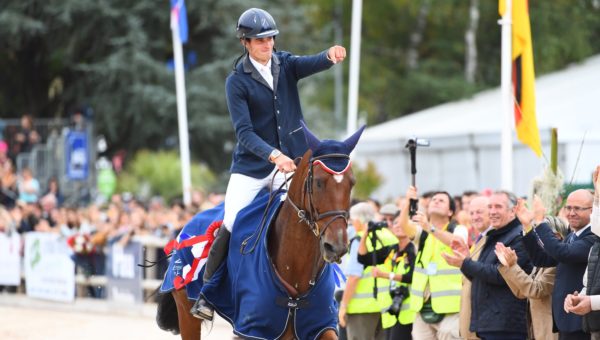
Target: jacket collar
x=506 y=229
x=275 y=68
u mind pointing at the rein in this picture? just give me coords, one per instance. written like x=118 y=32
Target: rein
x=310 y=215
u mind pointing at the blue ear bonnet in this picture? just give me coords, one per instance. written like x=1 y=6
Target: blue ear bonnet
x=325 y=147
x=328 y=146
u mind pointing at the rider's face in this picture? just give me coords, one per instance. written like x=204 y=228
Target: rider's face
x=260 y=49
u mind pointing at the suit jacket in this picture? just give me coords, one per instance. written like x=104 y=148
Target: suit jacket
x=465 y=296
x=265 y=119
x=494 y=308
x=570 y=259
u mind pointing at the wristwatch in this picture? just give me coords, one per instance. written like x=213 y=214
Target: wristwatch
x=432 y=230
x=274 y=154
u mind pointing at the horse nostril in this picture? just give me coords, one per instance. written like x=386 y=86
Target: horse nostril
x=328 y=247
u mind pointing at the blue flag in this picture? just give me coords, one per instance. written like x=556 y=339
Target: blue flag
x=179 y=18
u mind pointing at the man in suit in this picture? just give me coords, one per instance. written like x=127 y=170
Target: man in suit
x=569 y=256
x=496 y=314
x=587 y=302
x=480 y=220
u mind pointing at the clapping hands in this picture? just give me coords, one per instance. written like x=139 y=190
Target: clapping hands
x=506 y=255
x=460 y=252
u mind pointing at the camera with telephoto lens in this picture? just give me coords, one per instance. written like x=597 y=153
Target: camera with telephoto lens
x=398 y=295
x=374 y=226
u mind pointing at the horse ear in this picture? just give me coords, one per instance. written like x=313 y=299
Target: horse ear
x=312 y=140
x=351 y=141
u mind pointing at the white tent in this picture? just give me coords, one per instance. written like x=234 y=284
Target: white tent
x=465 y=138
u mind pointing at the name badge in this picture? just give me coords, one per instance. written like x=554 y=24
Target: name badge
x=432 y=268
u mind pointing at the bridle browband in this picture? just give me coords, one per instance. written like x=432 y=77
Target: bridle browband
x=310 y=215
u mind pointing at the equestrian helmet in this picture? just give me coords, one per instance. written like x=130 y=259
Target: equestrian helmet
x=256 y=23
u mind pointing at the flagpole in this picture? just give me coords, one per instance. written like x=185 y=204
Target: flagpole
x=355 y=40
x=184 y=146
x=506 y=146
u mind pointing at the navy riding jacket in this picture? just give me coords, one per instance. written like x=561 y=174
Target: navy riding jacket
x=266 y=119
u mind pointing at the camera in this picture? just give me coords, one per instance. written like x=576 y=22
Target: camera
x=374 y=226
x=398 y=295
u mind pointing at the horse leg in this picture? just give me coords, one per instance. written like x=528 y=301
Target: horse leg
x=189 y=326
x=328 y=335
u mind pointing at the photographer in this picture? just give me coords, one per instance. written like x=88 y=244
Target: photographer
x=360 y=310
x=399 y=264
x=436 y=286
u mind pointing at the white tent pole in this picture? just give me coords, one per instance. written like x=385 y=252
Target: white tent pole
x=184 y=146
x=354 y=66
x=506 y=146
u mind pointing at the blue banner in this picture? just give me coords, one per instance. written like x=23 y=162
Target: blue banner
x=76 y=156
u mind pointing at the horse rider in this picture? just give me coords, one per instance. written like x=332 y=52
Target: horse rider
x=264 y=105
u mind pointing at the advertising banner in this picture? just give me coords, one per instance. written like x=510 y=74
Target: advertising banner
x=10 y=260
x=124 y=275
x=49 y=269
x=77 y=158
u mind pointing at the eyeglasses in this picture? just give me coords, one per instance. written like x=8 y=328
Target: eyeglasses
x=569 y=208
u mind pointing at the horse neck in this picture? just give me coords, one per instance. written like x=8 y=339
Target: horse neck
x=294 y=248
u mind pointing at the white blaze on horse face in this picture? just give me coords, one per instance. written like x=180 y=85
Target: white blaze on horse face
x=338 y=178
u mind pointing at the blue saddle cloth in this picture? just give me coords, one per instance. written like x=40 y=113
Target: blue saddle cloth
x=246 y=291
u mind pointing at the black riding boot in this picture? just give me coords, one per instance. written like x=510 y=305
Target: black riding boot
x=218 y=251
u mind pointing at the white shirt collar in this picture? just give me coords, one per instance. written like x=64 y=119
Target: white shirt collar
x=260 y=67
x=578 y=232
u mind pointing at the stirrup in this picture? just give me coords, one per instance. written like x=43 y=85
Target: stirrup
x=202 y=310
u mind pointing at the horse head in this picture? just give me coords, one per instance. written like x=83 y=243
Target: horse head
x=327 y=178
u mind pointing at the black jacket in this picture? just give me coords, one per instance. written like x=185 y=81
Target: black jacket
x=493 y=305
x=570 y=260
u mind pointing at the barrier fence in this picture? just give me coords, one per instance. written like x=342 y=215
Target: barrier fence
x=42 y=265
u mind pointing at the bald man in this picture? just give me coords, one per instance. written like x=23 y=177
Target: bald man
x=569 y=256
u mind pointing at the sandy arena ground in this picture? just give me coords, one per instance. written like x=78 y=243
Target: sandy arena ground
x=26 y=318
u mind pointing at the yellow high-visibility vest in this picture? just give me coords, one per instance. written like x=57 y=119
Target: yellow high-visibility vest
x=363 y=301
x=406 y=315
x=445 y=281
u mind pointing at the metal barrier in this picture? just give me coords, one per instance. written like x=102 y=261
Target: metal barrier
x=47 y=159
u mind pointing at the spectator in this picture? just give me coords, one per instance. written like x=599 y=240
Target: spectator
x=5 y=162
x=536 y=287
x=569 y=256
x=28 y=187
x=25 y=137
x=399 y=272
x=388 y=213
x=495 y=312
x=463 y=216
x=480 y=221
x=9 y=191
x=54 y=190
x=587 y=303
x=435 y=290
x=360 y=311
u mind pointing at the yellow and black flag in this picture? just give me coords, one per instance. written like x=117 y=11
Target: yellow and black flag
x=523 y=75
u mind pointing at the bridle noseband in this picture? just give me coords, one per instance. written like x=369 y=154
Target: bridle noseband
x=310 y=215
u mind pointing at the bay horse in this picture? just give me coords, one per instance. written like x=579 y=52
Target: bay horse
x=308 y=232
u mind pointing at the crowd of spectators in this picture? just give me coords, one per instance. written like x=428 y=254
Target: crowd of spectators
x=481 y=265
x=26 y=205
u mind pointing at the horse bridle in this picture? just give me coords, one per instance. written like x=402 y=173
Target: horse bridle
x=310 y=215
